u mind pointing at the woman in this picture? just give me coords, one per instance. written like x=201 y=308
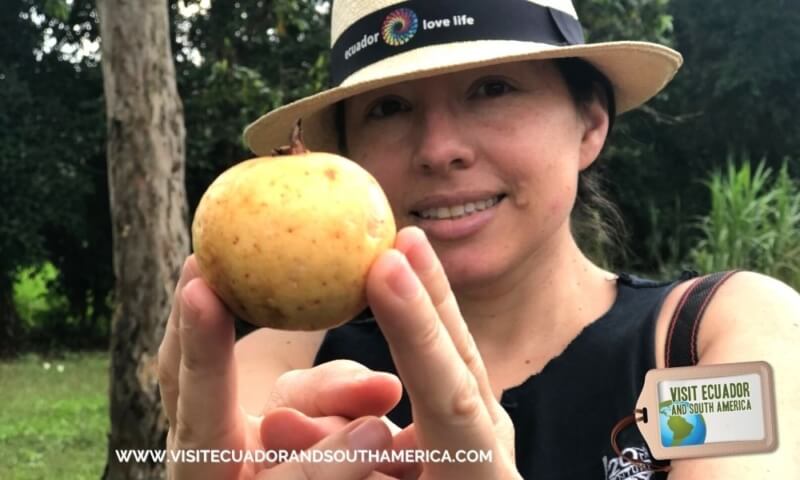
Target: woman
x=479 y=120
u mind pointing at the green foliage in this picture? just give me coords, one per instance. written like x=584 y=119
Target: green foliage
x=639 y=182
x=740 y=77
x=26 y=185
x=47 y=318
x=626 y=20
x=256 y=56
x=754 y=223
x=240 y=58
x=54 y=416
x=666 y=244
x=58 y=9
x=735 y=92
x=52 y=155
x=32 y=294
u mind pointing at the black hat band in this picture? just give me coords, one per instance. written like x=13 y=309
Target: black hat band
x=421 y=23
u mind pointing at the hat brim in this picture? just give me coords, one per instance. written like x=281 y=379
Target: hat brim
x=637 y=71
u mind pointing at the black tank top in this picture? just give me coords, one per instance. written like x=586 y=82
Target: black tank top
x=563 y=415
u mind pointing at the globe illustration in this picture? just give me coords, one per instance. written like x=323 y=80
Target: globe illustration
x=680 y=430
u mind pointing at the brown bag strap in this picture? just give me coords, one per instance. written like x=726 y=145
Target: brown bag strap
x=681 y=349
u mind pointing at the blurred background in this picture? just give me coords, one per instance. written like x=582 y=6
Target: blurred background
x=706 y=175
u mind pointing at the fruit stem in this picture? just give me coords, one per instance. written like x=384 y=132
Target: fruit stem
x=296 y=146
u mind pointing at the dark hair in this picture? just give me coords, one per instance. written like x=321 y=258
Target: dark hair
x=596 y=222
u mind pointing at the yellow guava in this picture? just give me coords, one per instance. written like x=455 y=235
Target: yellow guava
x=287 y=241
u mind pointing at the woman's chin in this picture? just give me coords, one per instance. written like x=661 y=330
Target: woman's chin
x=466 y=275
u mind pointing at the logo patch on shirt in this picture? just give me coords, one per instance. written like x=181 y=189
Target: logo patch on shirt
x=620 y=468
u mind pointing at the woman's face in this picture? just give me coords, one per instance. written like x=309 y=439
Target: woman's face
x=484 y=161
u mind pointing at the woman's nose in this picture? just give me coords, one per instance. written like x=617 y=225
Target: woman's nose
x=442 y=144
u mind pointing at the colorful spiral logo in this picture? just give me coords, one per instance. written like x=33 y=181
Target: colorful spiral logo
x=400 y=27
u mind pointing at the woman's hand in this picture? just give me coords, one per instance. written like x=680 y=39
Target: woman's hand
x=437 y=359
x=197 y=378
x=369 y=433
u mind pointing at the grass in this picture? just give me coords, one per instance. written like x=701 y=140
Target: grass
x=54 y=419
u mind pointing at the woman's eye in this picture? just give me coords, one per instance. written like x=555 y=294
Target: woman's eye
x=387 y=107
x=494 y=88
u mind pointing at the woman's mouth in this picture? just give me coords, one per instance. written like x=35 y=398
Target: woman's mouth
x=453 y=222
x=458 y=211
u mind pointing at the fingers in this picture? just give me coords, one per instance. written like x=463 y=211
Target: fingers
x=285 y=429
x=425 y=263
x=403 y=440
x=338 y=388
x=169 y=352
x=207 y=406
x=423 y=260
x=447 y=404
x=288 y=429
x=322 y=400
x=368 y=433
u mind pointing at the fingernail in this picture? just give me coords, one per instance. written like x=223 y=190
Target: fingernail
x=369 y=435
x=402 y=281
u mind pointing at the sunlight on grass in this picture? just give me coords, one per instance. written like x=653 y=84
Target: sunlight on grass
x=54 y=419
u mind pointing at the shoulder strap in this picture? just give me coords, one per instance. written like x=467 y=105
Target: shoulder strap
x=681 y=349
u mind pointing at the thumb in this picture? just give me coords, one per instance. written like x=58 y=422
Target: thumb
x=207 y=416
x=207 y=399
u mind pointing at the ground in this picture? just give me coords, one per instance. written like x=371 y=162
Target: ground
x=54 y=416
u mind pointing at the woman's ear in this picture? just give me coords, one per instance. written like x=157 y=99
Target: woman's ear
x=595 y=122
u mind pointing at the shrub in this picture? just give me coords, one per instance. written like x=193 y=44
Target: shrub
x=754 y=223
x=46 y=321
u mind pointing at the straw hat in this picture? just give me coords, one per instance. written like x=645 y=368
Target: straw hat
x=375 y=43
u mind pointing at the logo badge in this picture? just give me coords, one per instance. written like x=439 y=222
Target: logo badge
x=399 y=27
x=708 y=410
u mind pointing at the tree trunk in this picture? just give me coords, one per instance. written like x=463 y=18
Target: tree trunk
x=149 y=216
x=9 y=319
